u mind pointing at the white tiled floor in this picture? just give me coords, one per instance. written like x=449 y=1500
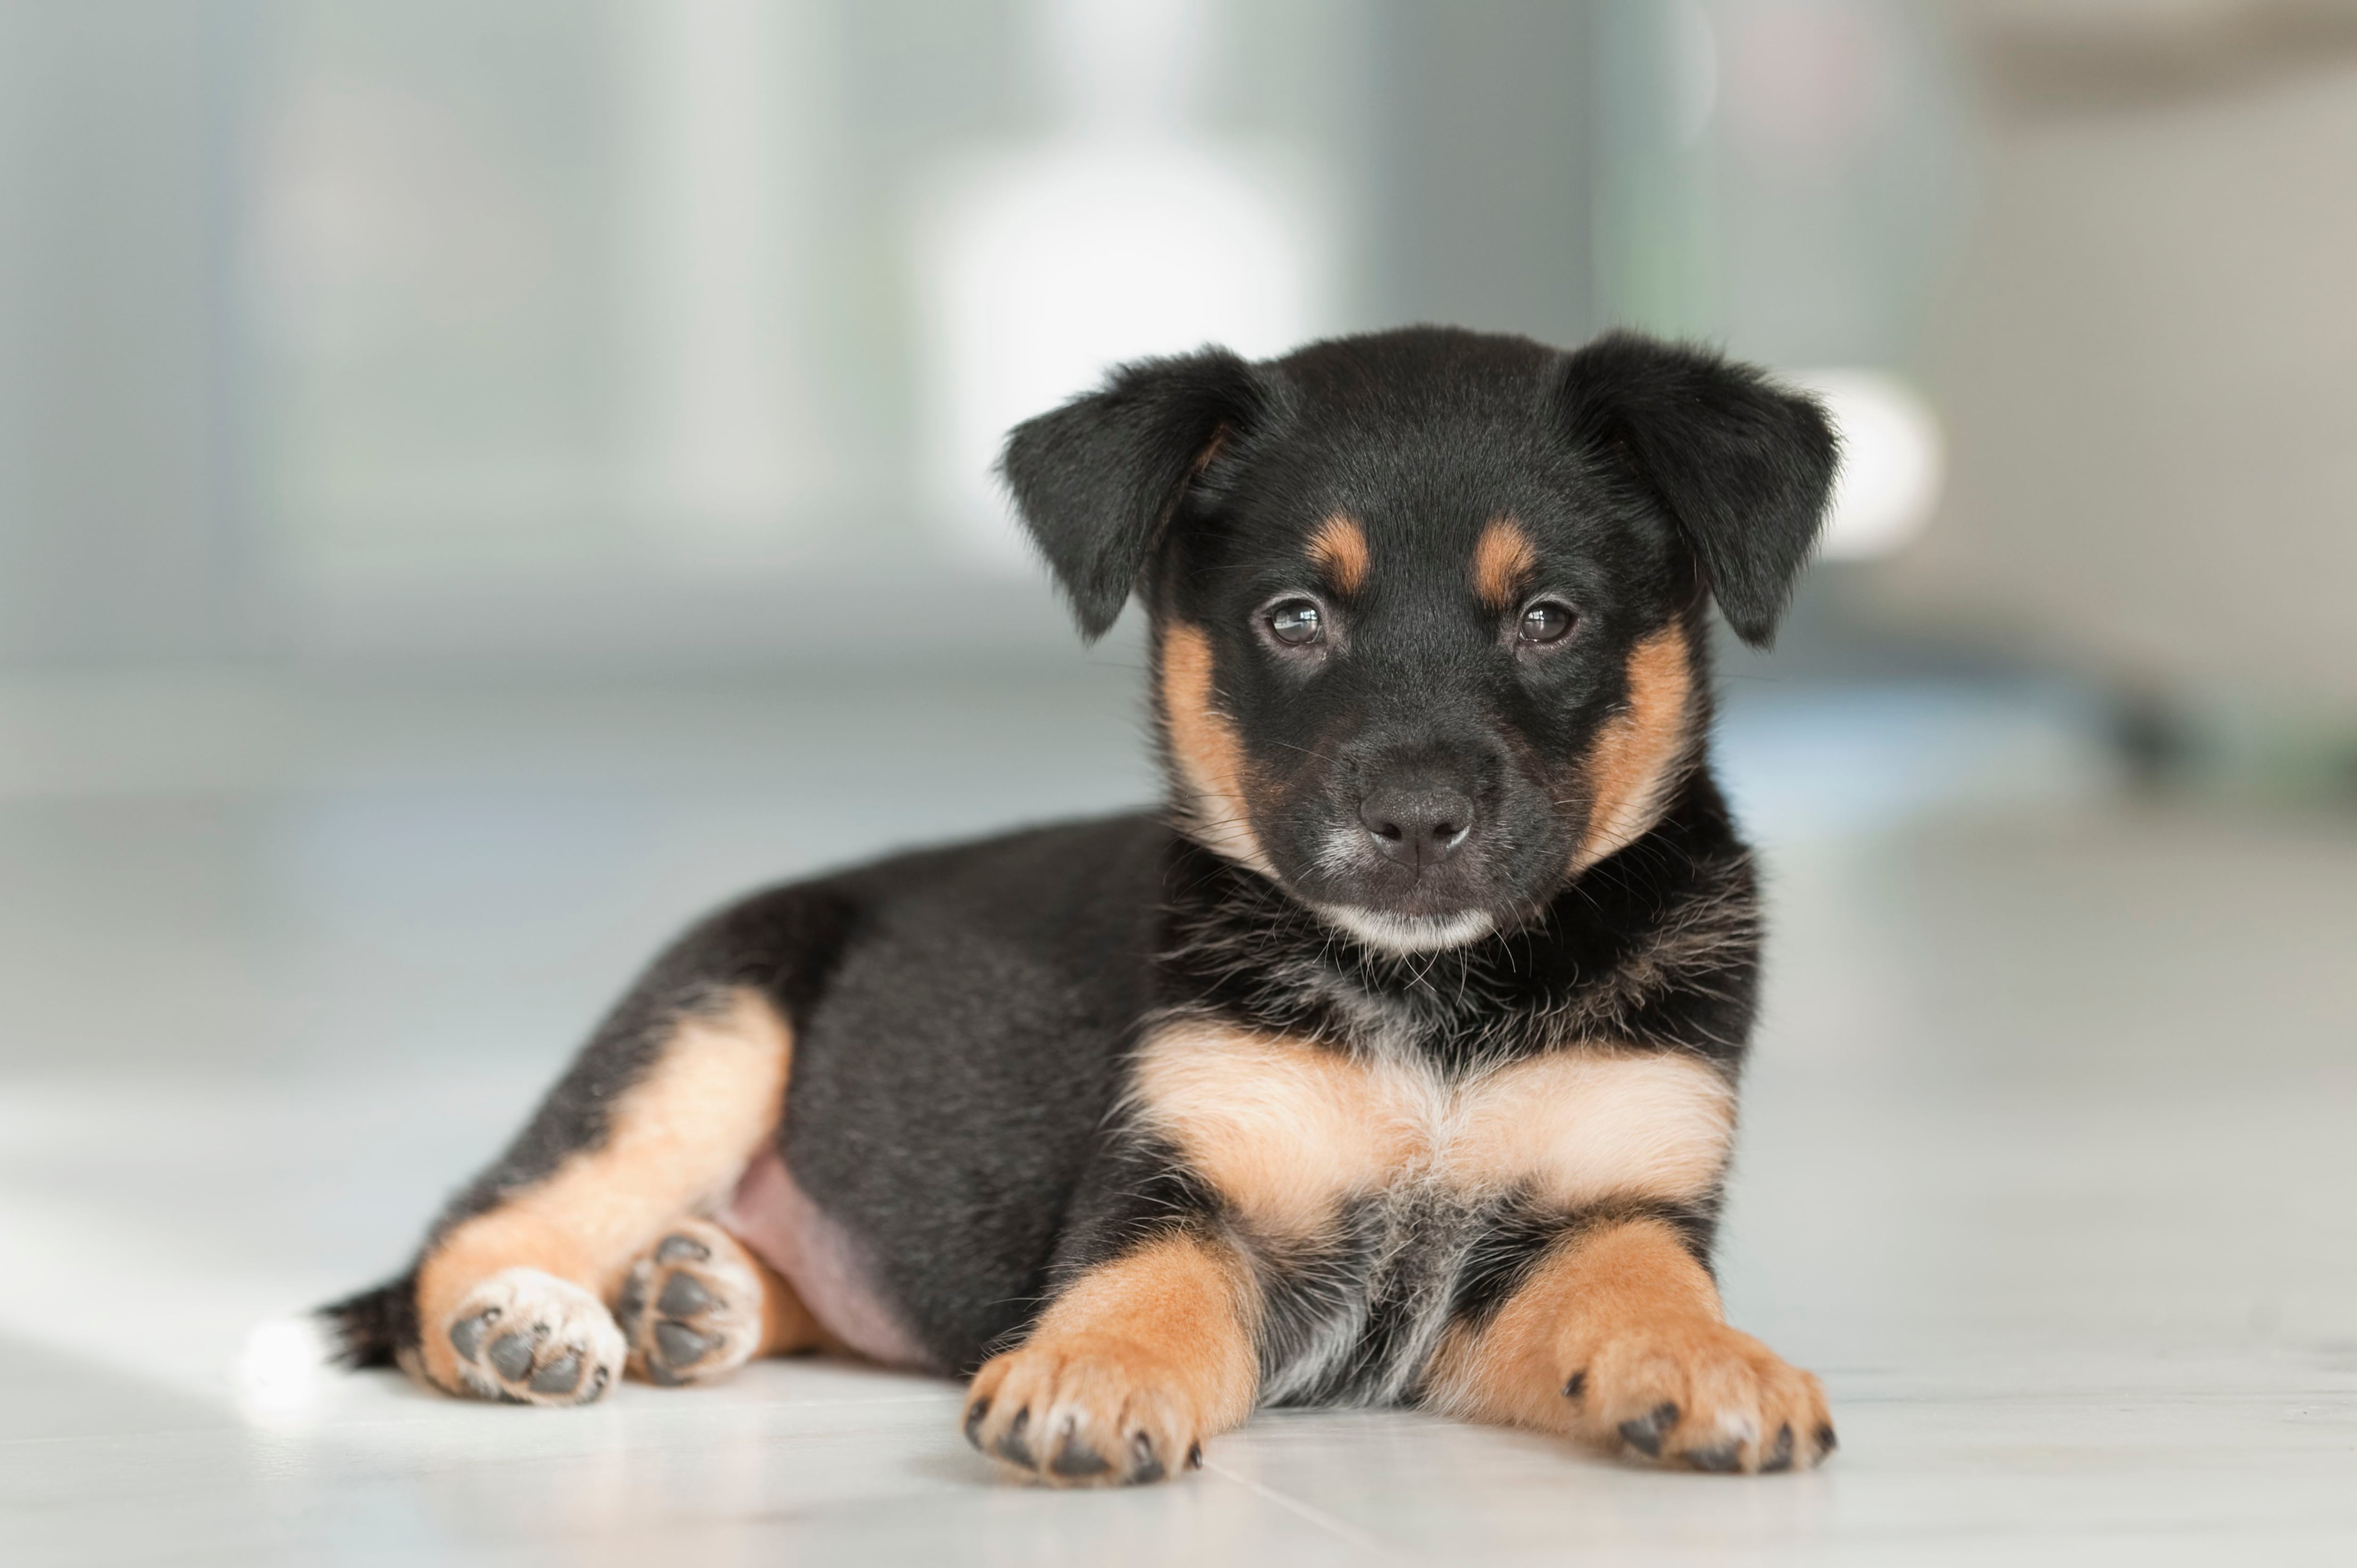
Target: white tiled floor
x=2047 y=1167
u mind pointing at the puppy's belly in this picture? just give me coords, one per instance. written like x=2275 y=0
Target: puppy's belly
x=771 y=1214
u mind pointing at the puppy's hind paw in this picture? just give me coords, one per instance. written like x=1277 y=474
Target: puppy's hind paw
x=529 y=1338
x=691 y=1306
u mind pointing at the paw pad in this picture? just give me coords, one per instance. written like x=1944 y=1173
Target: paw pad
x=529 y=1338
x=691 y=1308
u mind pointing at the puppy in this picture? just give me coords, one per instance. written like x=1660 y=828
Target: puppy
x=1392 y=1061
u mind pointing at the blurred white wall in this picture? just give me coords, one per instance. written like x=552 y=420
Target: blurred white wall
x=125 y=441
x=1120 y=230
x=2146 y=353
x=672 y=330
x=725 y=178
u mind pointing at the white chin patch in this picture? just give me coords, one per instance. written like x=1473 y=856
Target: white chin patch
x=1408 y=933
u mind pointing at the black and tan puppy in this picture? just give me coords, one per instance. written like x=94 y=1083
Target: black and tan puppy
x=1394 y=1061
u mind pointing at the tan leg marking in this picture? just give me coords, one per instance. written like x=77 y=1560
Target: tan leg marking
x=1338 y=549
x=1503 y=559
x=1618 y=1339
x=1638 y=755
x=787 y=1327
x=1203 y=743
x=1127 y=1372
x=699 y=1304
x=675 y=1142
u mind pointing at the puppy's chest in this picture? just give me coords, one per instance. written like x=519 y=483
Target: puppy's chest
x=1292 y=1134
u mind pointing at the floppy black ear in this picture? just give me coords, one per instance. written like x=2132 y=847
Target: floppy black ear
x=1096 y=479
x=1745 y=467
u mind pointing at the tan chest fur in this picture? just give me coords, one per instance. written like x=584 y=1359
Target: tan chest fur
x=1289 y=1131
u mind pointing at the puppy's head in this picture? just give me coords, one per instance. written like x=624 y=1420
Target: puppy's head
x=1427 y=605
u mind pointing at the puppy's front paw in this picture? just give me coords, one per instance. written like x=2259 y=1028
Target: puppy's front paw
x=1698 y=1393
x=1086 y=1410
x=690 y=1307
x=532 y=1338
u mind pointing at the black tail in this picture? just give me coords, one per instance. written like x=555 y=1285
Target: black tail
x=367 y=1329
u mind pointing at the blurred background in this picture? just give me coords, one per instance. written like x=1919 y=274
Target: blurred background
x=482 y=480
x=436 y=436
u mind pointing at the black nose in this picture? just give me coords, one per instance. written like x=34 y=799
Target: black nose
x=1417 y=826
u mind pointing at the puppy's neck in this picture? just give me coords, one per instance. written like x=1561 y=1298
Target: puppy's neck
x=1667 y=913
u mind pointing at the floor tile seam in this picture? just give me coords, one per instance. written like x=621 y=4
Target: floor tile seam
x=329 y=1431
x=1342 y=1530
x=2049 y=1531
x=228 y=1428
x=329 y=1428
x=2126 y=1398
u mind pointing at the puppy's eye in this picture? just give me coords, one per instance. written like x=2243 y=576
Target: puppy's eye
x=1297 y=623
x=1548 y=622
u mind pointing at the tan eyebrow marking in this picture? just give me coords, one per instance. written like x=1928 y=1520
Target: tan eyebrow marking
x=1339 y=547
x=1503 y=559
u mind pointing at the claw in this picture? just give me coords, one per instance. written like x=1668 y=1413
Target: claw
x=1644 y=1432
x=1076 y=1458
x=1015 y=1442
